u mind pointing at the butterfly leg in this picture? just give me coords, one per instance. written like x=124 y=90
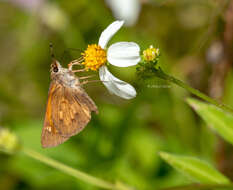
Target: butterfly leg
x=86 y=77
x=75 y=62
x=79 y=70
x=71 y=64
x=86 y=81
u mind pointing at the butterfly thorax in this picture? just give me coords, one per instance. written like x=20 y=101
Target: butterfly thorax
x=64 y=76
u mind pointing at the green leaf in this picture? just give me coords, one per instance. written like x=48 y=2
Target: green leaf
x=196 y=169
x=216 y=118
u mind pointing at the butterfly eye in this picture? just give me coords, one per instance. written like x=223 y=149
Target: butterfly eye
x=55 y=69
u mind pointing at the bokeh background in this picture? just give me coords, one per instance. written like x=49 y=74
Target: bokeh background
x=122 y=142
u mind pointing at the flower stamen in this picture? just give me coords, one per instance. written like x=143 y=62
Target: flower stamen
x=94 y=57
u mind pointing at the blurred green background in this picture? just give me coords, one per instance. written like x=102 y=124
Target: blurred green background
x=123 y=141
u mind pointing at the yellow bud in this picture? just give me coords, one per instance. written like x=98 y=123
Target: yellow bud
x=150 y=54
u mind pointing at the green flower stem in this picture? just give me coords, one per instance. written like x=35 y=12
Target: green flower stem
x=159 y=73
x=201 y=187
x=73 y=172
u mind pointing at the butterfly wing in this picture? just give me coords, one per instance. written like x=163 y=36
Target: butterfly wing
x=68 y=112
x=50 y=136
x=73 y=111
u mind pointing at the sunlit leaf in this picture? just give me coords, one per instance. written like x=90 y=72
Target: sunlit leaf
x=196 y=169
x=217 y=119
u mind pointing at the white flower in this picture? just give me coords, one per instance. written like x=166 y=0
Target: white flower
x=127 y=10
x=121 y=54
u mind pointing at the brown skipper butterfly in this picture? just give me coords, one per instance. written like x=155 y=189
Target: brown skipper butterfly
x=68 y=107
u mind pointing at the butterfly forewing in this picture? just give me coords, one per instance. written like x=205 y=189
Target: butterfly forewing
x=50 y=136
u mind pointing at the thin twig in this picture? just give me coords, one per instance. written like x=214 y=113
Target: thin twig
x=74 y=172
x=159 y=73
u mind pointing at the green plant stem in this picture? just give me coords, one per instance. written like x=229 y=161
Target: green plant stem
x=201 y=187
x=159 y=73
x=73 y=172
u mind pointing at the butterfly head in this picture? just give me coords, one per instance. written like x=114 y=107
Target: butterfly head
x=55 y=67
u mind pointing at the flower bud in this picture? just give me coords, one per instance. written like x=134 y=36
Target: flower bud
x=8 y=141
x=150 y=54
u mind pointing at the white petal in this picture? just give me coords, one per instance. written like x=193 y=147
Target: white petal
x=124 y=54
x=127 y=10
x=109 y=32
x=116 y=86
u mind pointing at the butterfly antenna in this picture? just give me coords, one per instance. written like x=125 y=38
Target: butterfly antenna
x=51 y=51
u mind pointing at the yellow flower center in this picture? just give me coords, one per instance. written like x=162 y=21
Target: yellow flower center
x=94 y=57
x=150 y=54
